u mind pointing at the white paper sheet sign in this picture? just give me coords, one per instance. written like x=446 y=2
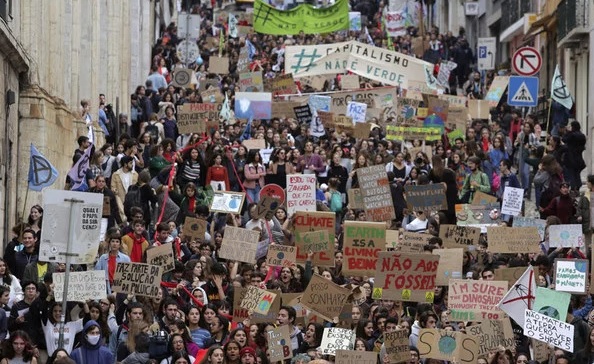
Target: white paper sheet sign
x=548 y=330
x=566 y=236
x=512 y=201
x=82 y=286
x=357 y=111
x=56 y=221
x=335 y=338
x=571 y=275
x=301 y=192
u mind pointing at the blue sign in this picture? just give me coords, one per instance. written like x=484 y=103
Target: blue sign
x=522 y=91
x=483 y=51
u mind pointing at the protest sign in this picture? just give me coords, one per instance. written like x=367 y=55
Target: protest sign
x=240 y=314
x=470 y=300
x=279 y=344
x=362 y=243
x=481 y=216
x=219 y=65
x=511 y=275
x=303 y=114
x=303 y=18
x=192 y=118
x=392 y=239
x=227 y=202
x=361 y=130
x=541 y=350
x=438 y=107
x=566 y=236
x=254 y=144
x=551 y=303
x=454 y=236
x=412 y=242
x=490 y=334
x=513 y=239
x=396 y=344
x=512 y=201
x=251 y=82
x=301 y=192
x=406 y=277
x=257 y=300
x=521 y=221
x=355 y=357
x=496 y=90
x=255 y=105
x=304 y=222
x=281 y=85
x=430 y=197
x=212 y=95
x=137 y=279
x=478 y=109
x=395 y=21
x=161 y=256
x=452 y=346
x=457 y=119
x=284 y=109
x=336 y=338
x=481 y=198
x=571 y=275
x=324 y=297
x=267 y=206
x=450 y=261
x=553 y=332
x=239 y=244
x=401 y=133
x=82 y=286
x=406 y=112
x=315 y=241
x=357 y=111
x=281 y=255
x=349 y=82
x=375 y=188
x=194 y=228
x=301 y=66
x=355 y=198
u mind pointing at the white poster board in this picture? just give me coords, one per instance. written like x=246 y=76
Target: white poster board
x=301 y=192
x=82 y=286
x=336 y=338
x=566 y=236
x=548 y=330
x=56 y=221
x=357 y=111
x=571 y=275
x=512 y=201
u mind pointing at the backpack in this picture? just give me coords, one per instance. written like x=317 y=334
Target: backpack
x=153 y=130
x=336 y=202
x=551 y=191
x=132 y=199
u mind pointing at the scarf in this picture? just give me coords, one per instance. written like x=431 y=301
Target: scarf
x=136 y=253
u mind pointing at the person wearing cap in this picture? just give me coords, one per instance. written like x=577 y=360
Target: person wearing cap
x=561 y=206
x=248 y=355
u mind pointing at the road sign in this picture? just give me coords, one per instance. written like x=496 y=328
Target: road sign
x=187 y=51
x=522 y=91
x=486 y=53
x=526 y=61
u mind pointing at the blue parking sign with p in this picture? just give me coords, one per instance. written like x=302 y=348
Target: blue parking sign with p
x=483 y=52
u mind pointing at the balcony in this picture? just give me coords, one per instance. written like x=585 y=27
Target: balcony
x=572 y=20
x=514 y=10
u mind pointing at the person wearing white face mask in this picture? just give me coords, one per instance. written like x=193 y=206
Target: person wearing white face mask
x=92 y=350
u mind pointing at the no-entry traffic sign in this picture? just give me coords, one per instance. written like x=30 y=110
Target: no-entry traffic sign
x=526 y=61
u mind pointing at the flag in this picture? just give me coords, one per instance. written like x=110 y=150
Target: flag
x=369 y=39
x=251 y=49
x=233 y=31
x=520 y=297
x=41 y=172
x=225 y=113
x=78 y=172
x=560 y=91
x=247 y=132
x=221 y=42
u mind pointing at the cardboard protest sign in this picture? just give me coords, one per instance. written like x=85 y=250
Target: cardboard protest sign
x=512 y=201
x=257 y=300
x=513 y=239
x=304 y=222
x=194 y=228
x=429 y=197
x=218 y=65
x=397 y=348
x=256 y=105
x=356 y=357
x=438 y=107
x=362 y=243
x=138 y=279
x=361 y=130
x=301 y=192
x=406 y=112
x=254 y=144
x=315 y=241
x=406 y=277
x=106 y=211
x=571 y=275
x=541 y=350
x=325 y=297
x=551 y=303
x=478 y=109
x=392 y=239
x=279 y=343
x=212 y=95
x=521 y=221
x=267 y=207
x=412 y=242
x=355 y=198
x=161 y=256
x=470 y=300
x=491 y=334
x=251 y=82
x=281 y=255
x=191 y=118
x=303 y=114
x=282 y=85
x=541 y=327
x=481 y=198
x=349 y=82
x=511 y=275
x=457 y=118
x=82 y=286
x=450 y=261
x=227 y=202
x=566 y=236
x=284 y=109
x=239 y=244
x=357 y=111
x=496 y=90
x=336 y=338
x=448 y=345
x=454 y=236
x=375 y=188
x=240 y=314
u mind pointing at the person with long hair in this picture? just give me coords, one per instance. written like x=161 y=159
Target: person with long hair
x=103 y=312
x=10 y=281
x=214 y=355
x=217 y=176
x=232 y=349
x=60 y=353
x=278 y=168
x=219 y=330
x=197 y=326
x=50 y=322
x=364 y=329
x=547 y=181
x=177 y=344
x=192 y=169
x=179 y=327
x=444 y=175
x=110 y=216
x=127 y=347
x=35 y=220
x=312 y=338
x=240 y=336
x=18 y=349
x=254 y=173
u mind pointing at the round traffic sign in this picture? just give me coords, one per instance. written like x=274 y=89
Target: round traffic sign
x=526 y=61
x=273 y=190
x=187 y=51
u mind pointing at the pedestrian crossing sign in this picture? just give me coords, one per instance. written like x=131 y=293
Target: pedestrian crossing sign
x=522 y=91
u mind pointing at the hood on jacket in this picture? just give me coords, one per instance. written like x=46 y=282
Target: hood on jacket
x=87 y=327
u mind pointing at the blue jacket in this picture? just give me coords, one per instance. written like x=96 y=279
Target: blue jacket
x=91 y=354
x=103 y=262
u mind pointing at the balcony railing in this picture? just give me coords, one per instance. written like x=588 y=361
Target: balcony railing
x=513 y=10
x=572 y=19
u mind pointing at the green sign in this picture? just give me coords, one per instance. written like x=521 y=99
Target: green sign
x=304 y=18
